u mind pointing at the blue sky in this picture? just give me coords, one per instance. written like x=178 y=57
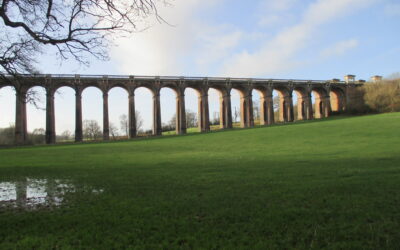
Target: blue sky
x=297 y=39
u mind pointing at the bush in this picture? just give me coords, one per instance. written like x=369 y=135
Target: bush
x=356 y=104
x=375 y=97
x=383 y=96
x=7 y=135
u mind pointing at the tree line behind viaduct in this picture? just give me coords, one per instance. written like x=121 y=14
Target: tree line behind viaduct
x=333 y=95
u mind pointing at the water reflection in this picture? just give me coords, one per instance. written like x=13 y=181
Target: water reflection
x=31 y=193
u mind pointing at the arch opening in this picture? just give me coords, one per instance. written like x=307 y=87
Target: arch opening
x=256 y=106
x=64 y=112
x=7 y=115
x=192 y=110
x=300 y=103
x=118 y=113
x=36 y=115
x=279 y=104
x=144 y=111
x=168 y=100
x=216 y=105
x=337 y=101
x=320 y=103
x=238 y=116
x=92 y=114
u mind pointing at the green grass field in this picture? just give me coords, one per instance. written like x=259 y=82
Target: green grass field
x=332 y=183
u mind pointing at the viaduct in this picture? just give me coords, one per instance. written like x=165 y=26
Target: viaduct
x=330 y=96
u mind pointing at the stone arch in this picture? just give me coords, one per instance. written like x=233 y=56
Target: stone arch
x=302 y=102
x=124 y=86
x=62 y=111
x=246 y=105
x=144 y=102
x=171 y=85
x=95 y=86
x=337 y=100
x=265 y=105
x=320 y=98
x=5 y=85
x=169 y=97
x=236 y=107
x=218 y=103
x=153 y=89
x=204 y=122
x=201 y=87
x=7 y=108
x=63 y=85
x=117 y=86
x=36 y=109
x=78 y=89
x=192 y=105
x=262 y=104
x=285 y=103
x=92 y=113
x=118 y=109
x=256 y=96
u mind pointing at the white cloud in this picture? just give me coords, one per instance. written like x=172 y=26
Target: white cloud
x=340 y=48
x=273 y=13
x=277 y=55
x=197 y=46
x=218 y=44
x=160 y=50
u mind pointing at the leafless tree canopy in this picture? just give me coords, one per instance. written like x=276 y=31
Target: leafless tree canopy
x=76 y=28
x=91 y=130
x=113 y=131
x=383 y=96
x=191 y=119
x=124 y=123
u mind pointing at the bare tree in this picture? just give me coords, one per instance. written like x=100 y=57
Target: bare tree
x=124 y=123
x=256 y=110
x=236 y=114
x=37 y=136
x=66 y=135
x=7 y=135
x=75 y=29
x=275 y=102
x=191 y=119
x=39 y=131
x=215 y=120
x=91 y=130
x=139 y=121
x=171 y=124
x=383 y=96
x=275 y=105
x=113 y=130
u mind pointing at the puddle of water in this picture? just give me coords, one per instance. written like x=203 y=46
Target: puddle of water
x=33 y=193
x=8 y=191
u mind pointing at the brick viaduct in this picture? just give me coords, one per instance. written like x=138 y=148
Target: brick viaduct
x=331 y=95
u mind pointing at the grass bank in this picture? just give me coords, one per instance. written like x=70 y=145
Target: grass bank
x=333 y=183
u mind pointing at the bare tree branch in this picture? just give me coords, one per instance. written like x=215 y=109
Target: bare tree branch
x=75 y=28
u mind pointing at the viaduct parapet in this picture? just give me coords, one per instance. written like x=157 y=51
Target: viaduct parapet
x=330 y=96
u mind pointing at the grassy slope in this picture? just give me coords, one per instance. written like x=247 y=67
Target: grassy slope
x=328 y=184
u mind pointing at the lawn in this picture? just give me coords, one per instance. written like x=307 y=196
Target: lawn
x=333 y=183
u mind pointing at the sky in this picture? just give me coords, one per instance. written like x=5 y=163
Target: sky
x=285 y=39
